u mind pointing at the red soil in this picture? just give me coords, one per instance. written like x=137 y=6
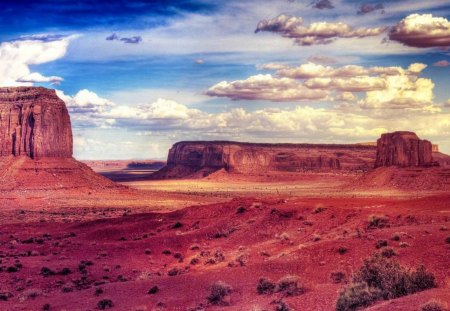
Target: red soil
x=271 y=238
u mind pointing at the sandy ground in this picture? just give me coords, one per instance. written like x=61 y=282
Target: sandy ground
x=183 y=235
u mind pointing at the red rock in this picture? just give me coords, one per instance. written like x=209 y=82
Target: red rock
x=186 y=158
x=34 y=122
x=403 y=149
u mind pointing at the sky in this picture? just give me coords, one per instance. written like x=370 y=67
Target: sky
x=138 y=76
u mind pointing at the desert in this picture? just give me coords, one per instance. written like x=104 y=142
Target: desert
x=240 y=217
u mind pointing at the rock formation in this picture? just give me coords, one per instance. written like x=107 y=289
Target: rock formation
x=36 y=143
x=187 y=158
x=34 y=122
x=403 y=149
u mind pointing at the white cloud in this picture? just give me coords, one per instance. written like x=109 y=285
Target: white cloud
x=315 y=33
x=85 y=101
x=17 y=56
x=37 y=77
x=265 y=87
x=422 y=30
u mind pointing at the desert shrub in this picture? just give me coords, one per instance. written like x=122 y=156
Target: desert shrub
x=290 y=286
x=381 y=243
x=434 y=305
x=105 y=304
x=316 y=237
x=177 y=225
x=395 y=237
x=447 y=240
x=174 y=271
x=338 y=276
x=404 y=244
x=388 y=252
x=219 y=290
x=342 y=250
x=265 y=286
x=47 y=272
x=381 y=278
x=240 y=210
x=5 y=296
x=319 y=209
x=153 y=290
x=147 y=251
x=377 y=221
x=65 y=271
x=46 y=307
x=282 y=306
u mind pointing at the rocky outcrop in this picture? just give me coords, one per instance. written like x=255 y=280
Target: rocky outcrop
x=403 y=149
x=36 y=144
x=187 y=158
x=34 y=122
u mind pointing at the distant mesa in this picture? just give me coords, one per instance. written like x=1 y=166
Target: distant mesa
x=36 y=143
x=403 y=149
x=196 y=159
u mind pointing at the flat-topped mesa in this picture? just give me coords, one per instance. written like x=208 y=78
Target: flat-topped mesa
x=189 y=157
x=34 y=122
x=403 y=149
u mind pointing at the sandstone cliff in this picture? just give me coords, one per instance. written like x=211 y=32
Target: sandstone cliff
x=403 y=149
x=34 y=122
x=187 y=158
x=36 y=143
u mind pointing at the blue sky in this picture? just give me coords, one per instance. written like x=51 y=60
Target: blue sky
x=315 y=71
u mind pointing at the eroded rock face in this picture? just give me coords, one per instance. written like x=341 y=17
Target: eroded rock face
x=403 y=149
x=188 y=157
x=34 y=122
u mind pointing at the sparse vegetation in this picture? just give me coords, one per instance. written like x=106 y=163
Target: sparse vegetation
x=396 y=237
x=338 y=276
x=381 y=243
x=265 y=286
x=447 y=240
x=377 y=221
x=219 y=291
x=380 y=279
x=434 y=305
x=388 y=252
x=240 y=210
x=153 y=290
x=319 y=209
x=342 y=250
x=105 y=304
x=177 y=225
x=290 y=286
x=47 y=272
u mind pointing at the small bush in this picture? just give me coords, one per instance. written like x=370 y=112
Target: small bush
x=319 y=209
x=265 y=286
x=105 y=304
x=219 y=290
x=447 y=240
x=240 y=210
x=153 y=290
x=380 y=279
x=377 y=221
x=396 y=237
x=290 y=286
x=381 y=243
x=434 y=305
x=282 y=306
x=342 y=250
x=338 y=276
x=388 y=252
x=47 y=272
x=177 y=225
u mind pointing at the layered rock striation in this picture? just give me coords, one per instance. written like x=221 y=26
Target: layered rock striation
x=186 y=158
x=403 y=149
x=36 y=144
x=34 y=122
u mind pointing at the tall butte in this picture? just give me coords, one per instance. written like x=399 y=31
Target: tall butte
x=36 y=143
x=403 y=149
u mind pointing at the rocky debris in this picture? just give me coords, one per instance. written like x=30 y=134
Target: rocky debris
x=34 y=122
x=204 y=157
x=403 y=149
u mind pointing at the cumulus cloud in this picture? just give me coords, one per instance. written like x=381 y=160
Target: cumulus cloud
x=129 y=40
x=366 y=8
x=402 y=91
x=85 y=101
x=315 y=33
x=321 y=59
x=265 y=87
x=323 y=4
x=352 y=84
x=422 y=30
x=17 y=56
x=442 y=63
